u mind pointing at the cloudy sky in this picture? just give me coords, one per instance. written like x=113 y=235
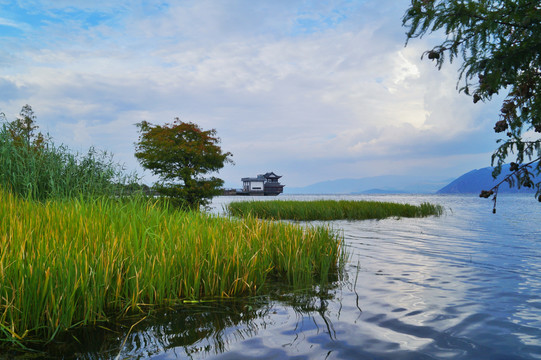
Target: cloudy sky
x=312 y=90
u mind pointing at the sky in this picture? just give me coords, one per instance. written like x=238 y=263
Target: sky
x=311 y=90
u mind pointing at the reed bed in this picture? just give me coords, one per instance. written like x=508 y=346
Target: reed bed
x=48 y=171
x=329 y=210
x=72 y=262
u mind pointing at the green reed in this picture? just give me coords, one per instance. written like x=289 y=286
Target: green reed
x=45 y=171
x=329 y=209
x=71 y=262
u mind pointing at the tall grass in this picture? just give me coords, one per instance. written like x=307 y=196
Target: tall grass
x=329 y=209
x=47 y=171
x=77 y=261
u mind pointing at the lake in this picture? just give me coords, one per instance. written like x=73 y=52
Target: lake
x=466 y=285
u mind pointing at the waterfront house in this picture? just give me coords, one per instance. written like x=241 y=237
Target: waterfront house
x=265 y=184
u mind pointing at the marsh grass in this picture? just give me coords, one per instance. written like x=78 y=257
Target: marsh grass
x=46 y=171
x=329 y=210
x=72 y=262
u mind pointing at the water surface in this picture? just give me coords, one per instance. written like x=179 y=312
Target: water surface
x=466 y=285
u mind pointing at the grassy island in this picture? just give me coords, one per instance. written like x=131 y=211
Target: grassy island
x=72 y=262
x=329 y=210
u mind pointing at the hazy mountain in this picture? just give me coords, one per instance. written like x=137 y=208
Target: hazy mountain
x=379 y=184
x=380 y=191
x=471 y=182
x=481 y=179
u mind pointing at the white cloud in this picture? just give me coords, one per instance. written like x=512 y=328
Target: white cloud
x=14 y=24
x=283 y=82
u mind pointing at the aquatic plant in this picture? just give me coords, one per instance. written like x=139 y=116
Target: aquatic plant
x=78 y=261
x=40 y=170
x=329 y=209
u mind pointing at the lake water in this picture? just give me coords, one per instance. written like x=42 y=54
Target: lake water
x=466 y=285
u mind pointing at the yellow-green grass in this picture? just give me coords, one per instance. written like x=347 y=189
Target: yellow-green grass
x=329 y=209
x=71 y=262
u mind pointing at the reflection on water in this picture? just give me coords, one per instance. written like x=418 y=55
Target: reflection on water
x=200 y=330
x=466 y=285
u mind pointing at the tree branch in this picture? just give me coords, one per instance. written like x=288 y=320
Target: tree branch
x=494 y=189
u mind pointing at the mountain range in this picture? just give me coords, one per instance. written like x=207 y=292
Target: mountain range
x=481 y=179
x=387 y=184
x=470 y=182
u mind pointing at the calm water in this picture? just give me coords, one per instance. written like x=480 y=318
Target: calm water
x=466 y=285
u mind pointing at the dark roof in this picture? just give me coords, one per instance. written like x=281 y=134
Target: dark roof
x=266 y=176
x=253 y=179
x=271 y=175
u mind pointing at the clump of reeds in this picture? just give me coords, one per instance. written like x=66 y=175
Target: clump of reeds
x=40 y=170
x=329 y=209
x=77 y=261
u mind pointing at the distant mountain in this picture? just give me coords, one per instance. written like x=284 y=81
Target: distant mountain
x=380 y=191
x=379 y=184
x=481 y=179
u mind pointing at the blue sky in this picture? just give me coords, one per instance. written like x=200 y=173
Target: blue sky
x=312 y=90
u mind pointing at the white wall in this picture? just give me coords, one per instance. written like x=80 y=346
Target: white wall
x=256 y=185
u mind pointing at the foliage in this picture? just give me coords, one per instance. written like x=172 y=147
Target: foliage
x=499 y=43
x=183 y=152
x=23 y=129
x=32 y=166
x=80 y=261
x=329 y=209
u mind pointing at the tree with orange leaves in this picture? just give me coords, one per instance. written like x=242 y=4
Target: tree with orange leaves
x=181 y=154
